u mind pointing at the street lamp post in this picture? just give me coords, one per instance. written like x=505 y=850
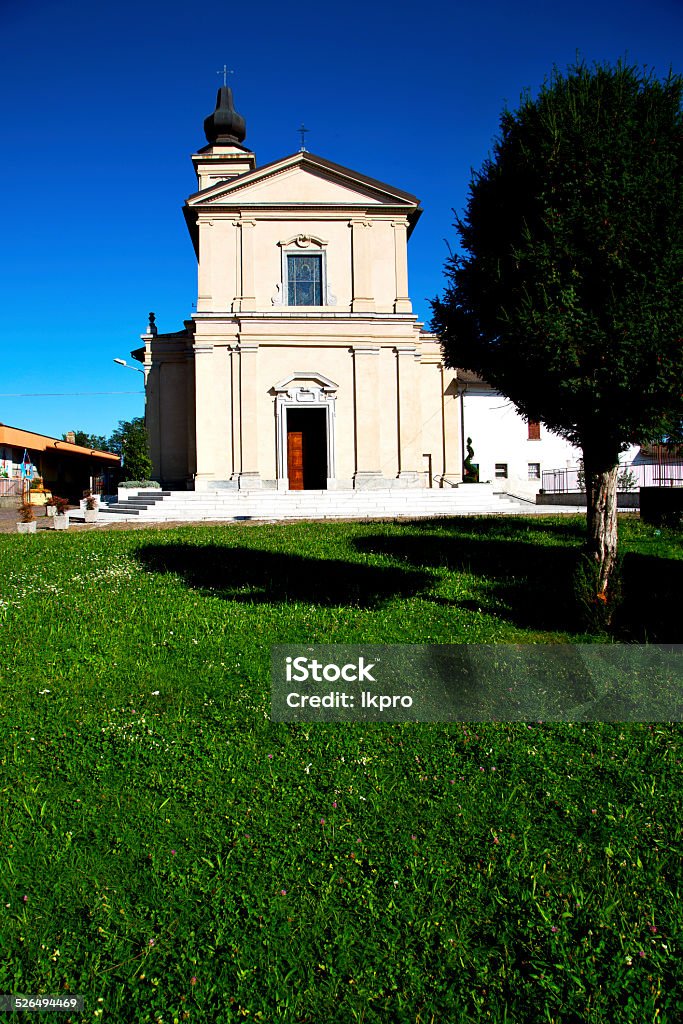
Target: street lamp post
x=122 y=362
x=138 y=369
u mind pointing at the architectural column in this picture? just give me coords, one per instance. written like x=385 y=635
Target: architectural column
x=249 y=476
x=402 y=303
x=367 y=416
x=452 y=429
x=247 y=298
x=236 y=439
x=191 y=437
x=409 y=416
x=204 y=292
x=204 y=375
x=362 y=301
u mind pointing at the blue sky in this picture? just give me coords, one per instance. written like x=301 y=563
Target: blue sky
x=102 y=105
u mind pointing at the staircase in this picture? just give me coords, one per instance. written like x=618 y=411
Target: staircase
x=136 y=504
x=226 y=505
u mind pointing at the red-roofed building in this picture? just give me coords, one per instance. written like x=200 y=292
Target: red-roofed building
x=66 y=469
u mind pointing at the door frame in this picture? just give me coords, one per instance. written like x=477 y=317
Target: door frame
x=299 y=391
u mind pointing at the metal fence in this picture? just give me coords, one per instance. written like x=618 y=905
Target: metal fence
x=13 y=487
x=16 y=487
x=632 y=475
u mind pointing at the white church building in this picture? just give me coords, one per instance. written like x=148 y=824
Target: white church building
x=304 y=366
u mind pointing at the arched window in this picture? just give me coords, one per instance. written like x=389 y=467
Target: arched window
x=304 y=273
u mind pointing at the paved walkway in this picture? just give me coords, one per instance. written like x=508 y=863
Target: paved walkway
x=9 y=519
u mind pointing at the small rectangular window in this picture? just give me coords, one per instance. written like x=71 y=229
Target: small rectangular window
x=534 y=470
x=534 y=430
x=304 y=280
x=501 y=470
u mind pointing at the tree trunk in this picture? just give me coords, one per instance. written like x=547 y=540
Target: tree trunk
x=601 y=497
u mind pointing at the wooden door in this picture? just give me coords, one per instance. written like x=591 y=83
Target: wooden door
x=295 y=459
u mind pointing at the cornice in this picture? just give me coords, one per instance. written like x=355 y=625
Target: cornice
x=267 y=210
x=388 y=318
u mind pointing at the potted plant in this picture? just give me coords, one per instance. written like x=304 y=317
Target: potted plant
x=91 y=507
x=60 y=520
x=27 y=517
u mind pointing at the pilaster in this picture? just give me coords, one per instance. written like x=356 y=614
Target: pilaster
x=247 y=298
x=205 y=372
x=204 y=290
x=452 y=430
x=366 y=416
x=249 y=476
x=409 y=415
x=402 y=303
x=363 y=300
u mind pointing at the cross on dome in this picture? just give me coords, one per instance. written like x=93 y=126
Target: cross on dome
x=225 y=72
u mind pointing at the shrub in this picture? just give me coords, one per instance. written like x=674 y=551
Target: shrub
x=627 y=480
x=61 y=505
x=140 y=483
x=26 y=513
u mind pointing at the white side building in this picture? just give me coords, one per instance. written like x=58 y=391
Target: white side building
x=512 y=453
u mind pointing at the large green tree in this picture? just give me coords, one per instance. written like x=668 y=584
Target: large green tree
x=129 y=441
x=567 y=294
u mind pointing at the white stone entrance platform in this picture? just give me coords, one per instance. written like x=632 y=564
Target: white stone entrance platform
x=226 y=505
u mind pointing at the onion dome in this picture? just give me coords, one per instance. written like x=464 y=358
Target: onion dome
x=225 y=125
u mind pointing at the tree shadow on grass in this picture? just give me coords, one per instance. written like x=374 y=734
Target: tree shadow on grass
x=532 y=587
x=504 y=527
x=252 y=576
x=527 y=585
x=651 y=608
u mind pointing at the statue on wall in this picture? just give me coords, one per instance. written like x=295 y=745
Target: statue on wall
x=470 y=470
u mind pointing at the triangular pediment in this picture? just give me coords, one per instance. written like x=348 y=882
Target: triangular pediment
x=303 y=180
x=301 y=377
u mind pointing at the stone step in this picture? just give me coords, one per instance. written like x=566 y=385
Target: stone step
x=225 y=505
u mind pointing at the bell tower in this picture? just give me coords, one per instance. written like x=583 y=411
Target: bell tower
x=225 y=157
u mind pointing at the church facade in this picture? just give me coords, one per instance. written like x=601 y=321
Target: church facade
x=303 y=367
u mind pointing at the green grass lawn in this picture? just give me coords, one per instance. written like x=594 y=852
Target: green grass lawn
x=171 y=854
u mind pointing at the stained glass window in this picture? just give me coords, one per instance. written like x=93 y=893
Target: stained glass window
x=304 y=280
